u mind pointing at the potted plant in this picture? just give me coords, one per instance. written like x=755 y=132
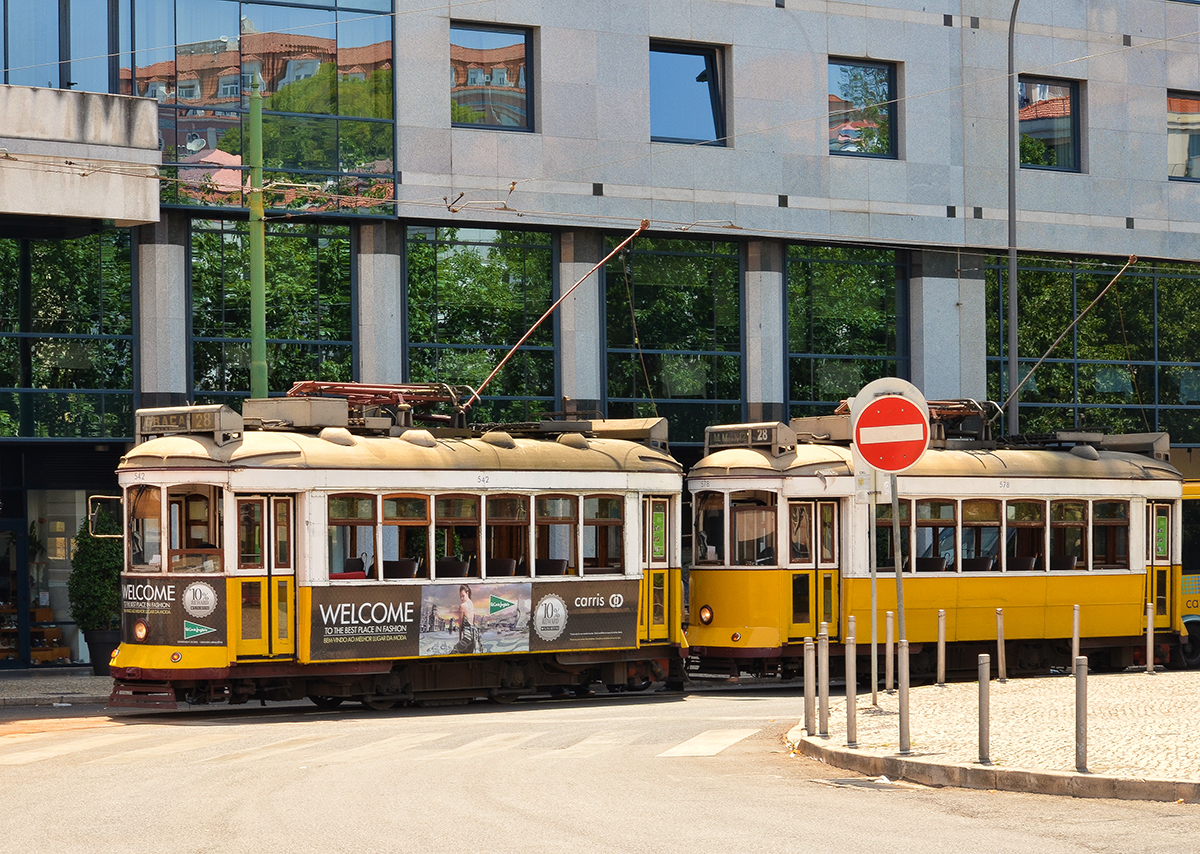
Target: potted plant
x=94 y=589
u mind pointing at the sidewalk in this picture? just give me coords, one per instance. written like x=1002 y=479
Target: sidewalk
x=44 y=687
x=1141 y=736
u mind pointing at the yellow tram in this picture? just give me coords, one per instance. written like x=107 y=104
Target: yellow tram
x=781 y=543
x=323 y=545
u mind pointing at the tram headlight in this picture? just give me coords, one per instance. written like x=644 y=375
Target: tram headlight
x=706 y=614
x=140 y=631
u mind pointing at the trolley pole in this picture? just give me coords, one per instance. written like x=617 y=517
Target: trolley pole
x=258 y=274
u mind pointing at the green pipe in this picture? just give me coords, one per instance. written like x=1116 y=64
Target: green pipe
x=258 y=275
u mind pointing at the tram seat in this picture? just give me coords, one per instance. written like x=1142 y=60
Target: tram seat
x=1022 y=564
x=353 y=564
x=550 y=567
x=404 y=568
x=348 y=576
x=451 y=567
x=1062 y=563
x=501 y=566
x=522 y=568
x=978 y=564
x=931 y=564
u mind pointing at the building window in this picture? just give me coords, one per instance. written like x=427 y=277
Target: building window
x=862 y=108
x=845 y=323
x=673 y=330
x=472 y=294
x=484 y=63
x=229 y=87
x=687 y=104
x=1049 y=123
x=189 y=90
x=1183 y=135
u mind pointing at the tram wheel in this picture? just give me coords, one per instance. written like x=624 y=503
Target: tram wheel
x=1190 y=648
x=378 y=705
x=326 y=702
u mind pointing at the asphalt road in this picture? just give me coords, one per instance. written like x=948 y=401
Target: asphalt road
x=706 y=771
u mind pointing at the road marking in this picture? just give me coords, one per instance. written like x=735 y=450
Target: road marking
x=709 y=743
x=597 y=743
x=170 y=748
x=251 y=754
x=382 y=749
x=492 y=744
x=25 y=757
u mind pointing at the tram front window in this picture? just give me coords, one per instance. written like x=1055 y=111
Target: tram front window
x=195 y=513
x=754 y=527
x=800 y=530
x=710 y=527
x=145 y=528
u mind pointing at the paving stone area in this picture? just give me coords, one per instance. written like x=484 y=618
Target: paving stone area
x=45 y=687
x=1138 y=725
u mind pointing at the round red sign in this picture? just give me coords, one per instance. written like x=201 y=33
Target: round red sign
x=891 y=433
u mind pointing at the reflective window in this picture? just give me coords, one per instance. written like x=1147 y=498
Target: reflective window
x=308 y=315
x=1048 y=114
x=89 y=67
x=32 y=43
x=489 y=77
x=1183 y=135
x=674 y=334
x=686 y=100
x=472 y=294
x=862 y=108
x=144 y=506
x=845 y=323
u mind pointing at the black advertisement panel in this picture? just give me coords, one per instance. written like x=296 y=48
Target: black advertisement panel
x=471 y=618
x=178 y=610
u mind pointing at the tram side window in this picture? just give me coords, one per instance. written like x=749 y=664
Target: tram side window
x=657 y=525
x=556 y=522
x=145 y=528
x=800 y=531
x=1068 y=535
x=1025 y=540
x=754 y=525
x=827 y=514
x=935 y=536
x=351 y=536
x=1110 y=534
x=195 y=513
x=507 y=535
x=885 y=550
x=405 y=536
x=980 y=535
x=250 y=533
x=710 y=527
x=282 y=530
x=456 y=535
x=603 y=534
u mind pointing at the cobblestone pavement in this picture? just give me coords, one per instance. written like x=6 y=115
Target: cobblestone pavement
x=46 y=687
x=1139 y=726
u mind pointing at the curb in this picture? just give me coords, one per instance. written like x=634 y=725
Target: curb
x=71 y=699
x=928 y=772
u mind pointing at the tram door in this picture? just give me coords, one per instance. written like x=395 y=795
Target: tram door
x=265 y=582
x=813 y=561
x=1158 y=568
x=656 y=566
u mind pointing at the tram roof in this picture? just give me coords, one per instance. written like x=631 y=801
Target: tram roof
x=814 y=459
x=414 y=450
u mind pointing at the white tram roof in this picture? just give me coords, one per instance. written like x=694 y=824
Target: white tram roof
x=836 y=460
x=415 y=450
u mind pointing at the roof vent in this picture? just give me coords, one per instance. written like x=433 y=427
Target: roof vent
x=574 y=440
x=338 y=436
x=499 y=439
x=421 y=438
x=1086 y=452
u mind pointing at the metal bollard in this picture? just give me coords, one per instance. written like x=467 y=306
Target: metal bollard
x=851 y=691
x=823 y=682
x=1001 y=671
x=1150 y=639
x=904 y=740
x=810 y=687
x=1081 y=667
x=889 y=658
x=985 y=716
x=1074 y=639
x=941 y=664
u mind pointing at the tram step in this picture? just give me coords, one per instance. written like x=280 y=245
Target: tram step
x=142 y=695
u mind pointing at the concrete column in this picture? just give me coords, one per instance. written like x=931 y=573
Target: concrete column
x=948 y=325
x=381 y=321
x=580 y=321
x=163 y=335
x=766 y=347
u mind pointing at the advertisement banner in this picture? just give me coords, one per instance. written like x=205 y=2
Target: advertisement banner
x=364 y=621
x=178 y=610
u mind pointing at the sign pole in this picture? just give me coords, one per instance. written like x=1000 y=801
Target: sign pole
x=899 y=560
x=874 y=549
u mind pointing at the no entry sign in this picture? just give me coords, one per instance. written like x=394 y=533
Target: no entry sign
x=891 y=432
